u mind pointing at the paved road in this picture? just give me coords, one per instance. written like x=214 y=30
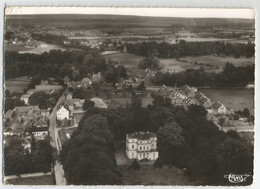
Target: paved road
x=58 y=170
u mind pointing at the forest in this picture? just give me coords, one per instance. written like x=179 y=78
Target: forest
x=183 y=48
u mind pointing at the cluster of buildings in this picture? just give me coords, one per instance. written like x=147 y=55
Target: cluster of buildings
x=186 y=96
x=29 y=123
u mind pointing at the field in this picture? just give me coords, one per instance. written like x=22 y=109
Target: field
x=16 y=47
x=40 y=180
x=130 y=61
x=237 y=99
x=16 y=85
x=214 y=63
x=220 y=61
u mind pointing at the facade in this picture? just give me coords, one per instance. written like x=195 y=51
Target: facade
x=63 y=113
x=205 y=102
x=141 y=145
x=40 y=133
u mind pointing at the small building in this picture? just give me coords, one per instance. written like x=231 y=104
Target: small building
x=63 y=113
x=25 y=98
x=9 y=115
x=86 y=83
x=40 y=133
x=97 y=78
x=41 y=123
x=99 y=103
x=189 y=92
x=219 y=108
x=141 y=145
x=26 y=110
x=205 y=102
x=66 y=80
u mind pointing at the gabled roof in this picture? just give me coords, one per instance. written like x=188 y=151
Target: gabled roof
x=217 y=105
x=41 y=123
x=26 y=109
x=141 y=135
x=39 y=129
x=9 y=113
x=204 y=99
x=199 y=95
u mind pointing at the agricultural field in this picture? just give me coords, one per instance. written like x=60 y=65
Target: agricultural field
x=16 y=85
x=210 y=63
x=42 y=48
x=218 y=62
x=236 y=99
x=40 y=180
x=16 y=47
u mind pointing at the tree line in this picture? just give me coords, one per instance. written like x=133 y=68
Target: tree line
x=231 y=76
x=186 y=139
x=183 y=48
x=76 y=64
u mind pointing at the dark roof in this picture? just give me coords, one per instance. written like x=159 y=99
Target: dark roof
x=203 y=100
x=141 y=135
x=63 y=134
x=41 y=122
x=39 y=129
x=216 y=105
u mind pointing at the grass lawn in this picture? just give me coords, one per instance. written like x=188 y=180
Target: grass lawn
x=161 y=176
x=41 y=180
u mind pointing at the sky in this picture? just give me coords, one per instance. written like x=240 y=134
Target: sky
x=157 y=12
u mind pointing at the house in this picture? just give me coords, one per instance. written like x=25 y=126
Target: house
x=64 y=135
x=86 y=83
x=189 y=92
x=99 y=103
x=141 y=145
x=73 y=104
x=68 y=96
x=45 y=113
x=63 y=113
x=205 y=102
x=9 y=115
x=40 y=133
x=97 y=78
x=66 y=80
x=219 y=108
x=41 y=123
x=25 y=98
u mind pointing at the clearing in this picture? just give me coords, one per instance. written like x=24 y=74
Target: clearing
x=16 y=85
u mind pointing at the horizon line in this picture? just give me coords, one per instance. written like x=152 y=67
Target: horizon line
x=141 y=12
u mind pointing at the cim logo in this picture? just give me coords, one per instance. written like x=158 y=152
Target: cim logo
x=237 y=178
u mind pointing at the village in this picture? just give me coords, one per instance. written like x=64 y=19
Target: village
x=101 y=104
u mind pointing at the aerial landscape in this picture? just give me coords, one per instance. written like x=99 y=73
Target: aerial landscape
x=102 y=99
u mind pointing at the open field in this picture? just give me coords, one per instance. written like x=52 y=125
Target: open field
x=123 y=101
x=16 y=85
x=237 y=99
x=16 y=47
x=220 y=61
x=41 y=180
x=130 y=61
x=161 y=176
x=210 y=63
x=42 y=48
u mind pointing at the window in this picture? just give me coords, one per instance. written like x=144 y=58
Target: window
x=140 y=147
x=144 y=147
x=133 y=146
x=133 y=154
x=140 y=155
x=153 y=154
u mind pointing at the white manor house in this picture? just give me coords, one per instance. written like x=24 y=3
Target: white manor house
x=141 y=145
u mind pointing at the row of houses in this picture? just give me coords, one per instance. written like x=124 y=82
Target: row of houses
x=189 y=95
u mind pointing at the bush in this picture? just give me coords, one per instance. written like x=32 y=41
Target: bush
x=158 y=163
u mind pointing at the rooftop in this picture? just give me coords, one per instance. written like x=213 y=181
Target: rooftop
x=141 y=135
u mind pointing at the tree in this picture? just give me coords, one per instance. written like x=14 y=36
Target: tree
x=141 y=86
x=88 y=157
x=172 y=145
x=246 y=112
x=88 y=104
x=39 y=98
x=121 y=72
x=135 y=165
x=136 y=102
x=197 y=111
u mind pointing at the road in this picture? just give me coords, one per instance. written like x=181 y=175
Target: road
x=58 y=170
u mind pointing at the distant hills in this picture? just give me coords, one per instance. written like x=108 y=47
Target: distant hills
x=99 y=21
